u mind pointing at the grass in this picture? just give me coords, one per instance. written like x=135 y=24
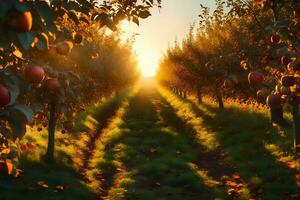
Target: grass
x=140 y=157
x=60 y=180
x=252 y=147
x=151 y=144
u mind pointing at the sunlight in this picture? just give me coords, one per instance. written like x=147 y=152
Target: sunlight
x=147 y=66
x=147 y=57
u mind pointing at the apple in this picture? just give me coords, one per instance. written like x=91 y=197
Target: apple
x=276 y=39
x=34 y=74
x=21 y=21
x=255 y=78
x=52 y=84
x=64 y=48
x=285 y=60
x=294 y=65
x=262 y=94
x=228 y=83
x=4 y=96
x=274 y=100
x=288 y=81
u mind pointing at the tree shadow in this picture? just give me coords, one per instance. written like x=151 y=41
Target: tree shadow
x=152 y=161
x=243 y=134
x=45 y=181
x=213 y=161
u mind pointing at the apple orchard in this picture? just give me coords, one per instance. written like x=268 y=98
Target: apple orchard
x=61 y=61
x=44 y=80
x=256 y=43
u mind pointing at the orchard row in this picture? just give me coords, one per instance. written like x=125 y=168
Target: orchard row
x=246 y=50
x=56 y=57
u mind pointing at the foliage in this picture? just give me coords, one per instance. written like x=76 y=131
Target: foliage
x=31 y=33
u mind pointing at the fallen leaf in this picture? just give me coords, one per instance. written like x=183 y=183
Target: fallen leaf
x=236 y=176
x=42 y=185
x=60 y=188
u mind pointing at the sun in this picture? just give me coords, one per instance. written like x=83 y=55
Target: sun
x=146 y=56
x=148 y=66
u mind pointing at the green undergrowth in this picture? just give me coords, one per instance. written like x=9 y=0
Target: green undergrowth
x=59 y=180
x=261 y=154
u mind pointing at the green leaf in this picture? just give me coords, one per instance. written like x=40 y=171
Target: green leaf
x=26 y=111
x=5 y=6
x=45 y=11
x=144 y=14
x=72 y=15
x=136 y=20
x=26 y=39
x=72 y=5
x=21 y=7
x=18 y=125
x=84 y=18
x=43 y=43
x=12 y=83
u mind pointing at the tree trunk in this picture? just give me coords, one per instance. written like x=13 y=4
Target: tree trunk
x=180 y=92
x=277 y=117
x=184 y=94
x=296 y=127
x=199 y=96
x=219 y=99
x=51 y=132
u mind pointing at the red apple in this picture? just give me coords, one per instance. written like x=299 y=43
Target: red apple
x=255 y=78
x=21 y=21
x=274 y=100
x=288 y=81
x=34 y=74
x=52 y=84
x=262 y=94
x=285 y=60
x=294 y=65
x=228 y=83
x=276 y=39
x=4 y=96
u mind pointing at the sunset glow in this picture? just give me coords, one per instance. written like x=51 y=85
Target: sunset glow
x=164 y=26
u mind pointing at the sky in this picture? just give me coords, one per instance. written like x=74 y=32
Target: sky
x=160 y=30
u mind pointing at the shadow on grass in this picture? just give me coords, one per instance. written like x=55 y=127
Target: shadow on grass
x=61 y=182
x=244 y=134
x=151 y=161
x=212 y=161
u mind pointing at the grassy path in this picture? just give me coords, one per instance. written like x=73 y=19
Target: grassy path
x=162 y=147
x=150 y=144
x=140 y=156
